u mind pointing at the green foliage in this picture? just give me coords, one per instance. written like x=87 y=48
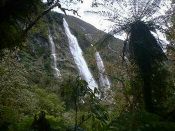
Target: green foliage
x=24 y=124
x=140 y=121
x=99 y=118
x=15 y=17
x=72 y=90
x=49 y=102
x=20 y=98
x=57 y=123
x=7 y=117
x=95 y=116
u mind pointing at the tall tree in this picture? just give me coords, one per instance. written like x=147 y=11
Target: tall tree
x=138 y=19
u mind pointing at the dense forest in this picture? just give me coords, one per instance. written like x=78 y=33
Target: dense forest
x=59 y=73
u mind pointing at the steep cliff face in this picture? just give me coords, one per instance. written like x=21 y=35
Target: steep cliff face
x=38 y=56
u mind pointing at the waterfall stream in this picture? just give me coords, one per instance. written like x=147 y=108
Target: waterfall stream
x=103 y=79
x=78 y=58
x=54 y=58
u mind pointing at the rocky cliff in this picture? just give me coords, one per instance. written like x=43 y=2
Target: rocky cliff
x=37 y=55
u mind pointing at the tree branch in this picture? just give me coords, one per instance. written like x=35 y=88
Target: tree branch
x=56 y=4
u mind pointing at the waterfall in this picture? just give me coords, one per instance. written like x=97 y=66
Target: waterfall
x=78 y=57
x=54 y=58
x=103 y=79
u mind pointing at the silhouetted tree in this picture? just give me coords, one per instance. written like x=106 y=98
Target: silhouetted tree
x=138 y=19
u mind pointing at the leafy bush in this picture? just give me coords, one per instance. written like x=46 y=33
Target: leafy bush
x=140 y=121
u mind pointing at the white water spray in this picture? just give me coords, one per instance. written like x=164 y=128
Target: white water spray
x=103 y=79
x=54 y=58
x=78 y=57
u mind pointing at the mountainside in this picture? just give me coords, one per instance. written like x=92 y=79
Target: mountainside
x=39 y=47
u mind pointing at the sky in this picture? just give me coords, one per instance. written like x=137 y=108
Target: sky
x=98 y=21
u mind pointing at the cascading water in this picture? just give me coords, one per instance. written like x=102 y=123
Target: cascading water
x=54 y=58
x=103 y=79
x=78 y=57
